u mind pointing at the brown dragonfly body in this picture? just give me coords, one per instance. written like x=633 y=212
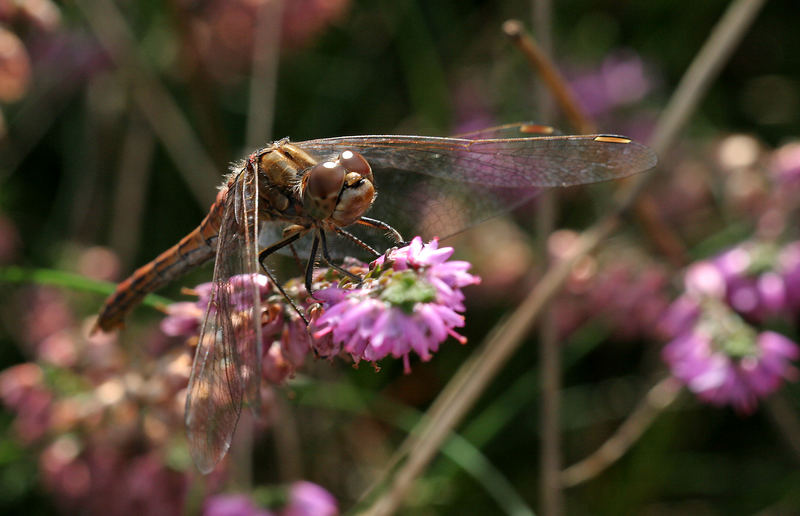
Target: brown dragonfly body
x=280 y=170
x=429 y=186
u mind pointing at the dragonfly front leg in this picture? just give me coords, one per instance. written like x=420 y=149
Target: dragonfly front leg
x=379 y=224
x=262 y=256
x=358 y=241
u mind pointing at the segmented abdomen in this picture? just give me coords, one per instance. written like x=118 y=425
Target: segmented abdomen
x=193 y=250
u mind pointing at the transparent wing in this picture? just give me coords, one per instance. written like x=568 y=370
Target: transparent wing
x=226 y=367
x=431 y=186
x=508 y=163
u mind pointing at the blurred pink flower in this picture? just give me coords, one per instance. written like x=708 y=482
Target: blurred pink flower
x=46 y=312
x=736 y=372
x=286 y=339
x=789 y=269
x=182 y=320
x=98 y=263
x=786 y=164
x=223 y=31
x=22 y=390
x=15 y=67
x=623 y=292
x=621 y=79
x=232 y=505
x=44 y=14
x=713 y=351
x=59 y=349
x=304 y=499
x=748 y=277
x=309 y=499
x=304 y=19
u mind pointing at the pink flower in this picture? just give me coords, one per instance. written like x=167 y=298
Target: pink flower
x=746 y=277
x=304 y=499
x=722 y=360
x=786 y=164
x=183 y=319
x=409 y=302
x=232 y=505
x=308 y=499
x=789 y=269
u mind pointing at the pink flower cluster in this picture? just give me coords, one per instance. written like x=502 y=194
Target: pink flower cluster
x=714 y=350
x=78 y=405
x=304 y=499
x=410 y=300
x=286 y=341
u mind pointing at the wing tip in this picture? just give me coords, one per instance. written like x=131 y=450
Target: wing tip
x=650 y=158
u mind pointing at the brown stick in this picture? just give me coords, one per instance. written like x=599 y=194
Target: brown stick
x=550 y=75
x=658 y=398
x=663 y=237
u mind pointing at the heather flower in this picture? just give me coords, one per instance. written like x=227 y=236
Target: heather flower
x=789 y=270
x=309 y=499
x=183 y=319
x=15 y=67
x=410 y=301
x=786 y=164
x=723 y=360
x=232 y=505
x=621 y=80
x=680 y=317
x=745 y=277
x=98 y=454
x=22 y=390
x=223 y=32
x=304 y=499
x=285 y=338
x=618 y=288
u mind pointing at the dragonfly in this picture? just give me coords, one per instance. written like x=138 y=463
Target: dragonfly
x=297 y=194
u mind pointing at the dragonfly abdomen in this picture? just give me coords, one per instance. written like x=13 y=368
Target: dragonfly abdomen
x=193 y=250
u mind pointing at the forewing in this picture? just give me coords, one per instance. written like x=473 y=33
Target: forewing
x=226 y=367
x=510 y=162
x=431 y=186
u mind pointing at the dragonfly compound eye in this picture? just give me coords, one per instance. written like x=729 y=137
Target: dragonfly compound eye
x=355 y=162
x=322 y=185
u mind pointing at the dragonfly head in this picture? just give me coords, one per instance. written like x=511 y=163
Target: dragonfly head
x=340 y=190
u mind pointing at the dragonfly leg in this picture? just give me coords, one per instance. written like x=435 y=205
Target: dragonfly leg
x=326 y=255
x=280 y=244
x=312 y=259
x=379 y=224
x=358 y=241
x=262 y=256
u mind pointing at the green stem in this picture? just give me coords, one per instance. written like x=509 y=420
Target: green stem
x=71 y=281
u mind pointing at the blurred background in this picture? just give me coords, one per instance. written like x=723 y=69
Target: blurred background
x=118 y=120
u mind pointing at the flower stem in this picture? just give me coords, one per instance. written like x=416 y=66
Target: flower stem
x=71 y=281
x=658 y=398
